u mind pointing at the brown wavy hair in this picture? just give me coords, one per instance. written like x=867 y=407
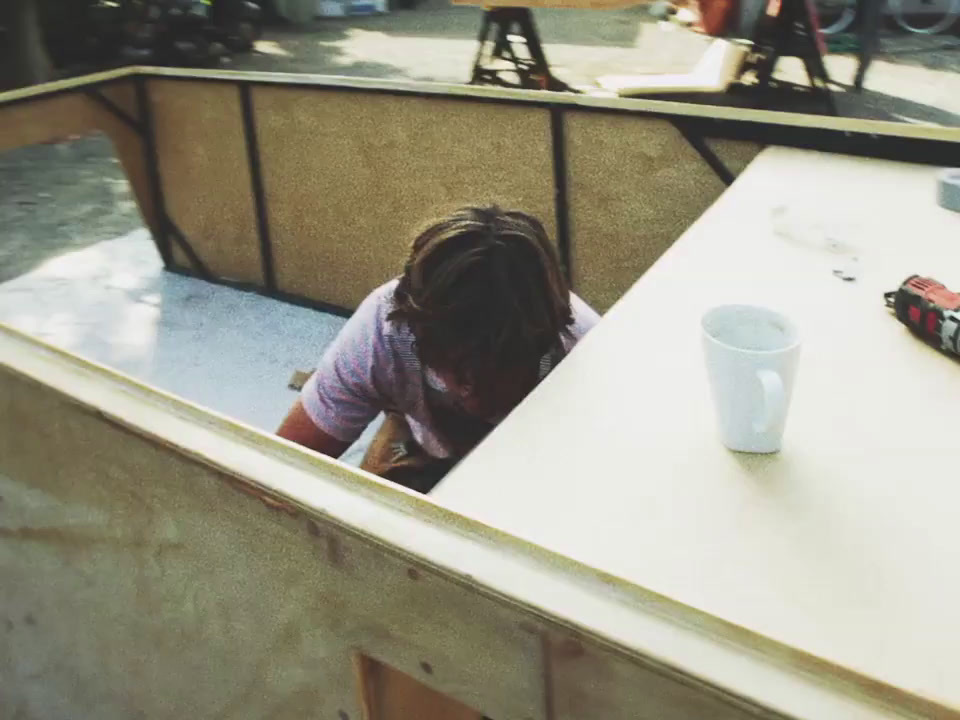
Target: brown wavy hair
x=483 y=294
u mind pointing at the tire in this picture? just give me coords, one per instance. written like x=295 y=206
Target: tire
x=836 y=15
x=950 y=16
x=242 y=37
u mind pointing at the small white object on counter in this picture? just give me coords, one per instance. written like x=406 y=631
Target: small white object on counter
x=948 y=189
x=751 y=354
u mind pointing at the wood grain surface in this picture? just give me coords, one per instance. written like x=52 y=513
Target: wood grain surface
x=262 y=570
x=843 y=546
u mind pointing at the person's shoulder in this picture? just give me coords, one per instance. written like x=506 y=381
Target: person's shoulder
x=382 y=297
x=583 y=314
x=376 y=308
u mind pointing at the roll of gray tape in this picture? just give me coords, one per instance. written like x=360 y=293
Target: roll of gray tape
x=948 y=189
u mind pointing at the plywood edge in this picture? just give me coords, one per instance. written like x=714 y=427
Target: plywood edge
x=570 y=100
x=58 y=86
x=662 y=107
x=561 y=595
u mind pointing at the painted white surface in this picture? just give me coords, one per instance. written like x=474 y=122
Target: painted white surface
x=228 y=350
x=845 y=545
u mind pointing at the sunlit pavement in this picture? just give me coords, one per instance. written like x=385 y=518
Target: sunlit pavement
x=914 y=78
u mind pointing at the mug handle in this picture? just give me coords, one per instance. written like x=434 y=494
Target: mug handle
x=774 y=399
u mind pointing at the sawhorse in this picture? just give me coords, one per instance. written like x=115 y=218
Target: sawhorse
x=791 y=31
x=514 y=48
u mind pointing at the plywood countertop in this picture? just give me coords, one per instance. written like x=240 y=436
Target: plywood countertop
x=846 y=545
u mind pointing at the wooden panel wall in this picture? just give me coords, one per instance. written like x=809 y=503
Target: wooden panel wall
x=202 y=157
x=56 y=118
x=635 y=184
x=135 y=582
x=142 y=579
x=350 y=177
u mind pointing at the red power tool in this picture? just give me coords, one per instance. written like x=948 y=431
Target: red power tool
x=930 y=310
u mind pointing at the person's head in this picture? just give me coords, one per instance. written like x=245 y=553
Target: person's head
x=485 y=298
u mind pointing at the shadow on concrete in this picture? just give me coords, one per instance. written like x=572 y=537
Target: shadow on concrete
x=931 y=52
x=872 y=105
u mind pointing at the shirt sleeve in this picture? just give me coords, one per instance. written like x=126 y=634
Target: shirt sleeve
x=584 y=317
x=343 y=395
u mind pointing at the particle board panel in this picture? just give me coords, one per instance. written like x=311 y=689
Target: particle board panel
x=56 y=118
x=204 y=169
x=350 y=177
x=634 y=186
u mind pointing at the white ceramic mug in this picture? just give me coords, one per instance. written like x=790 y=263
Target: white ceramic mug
x=751 y=355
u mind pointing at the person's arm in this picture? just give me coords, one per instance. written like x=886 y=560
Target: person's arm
x=343 y=395
x=299 y=428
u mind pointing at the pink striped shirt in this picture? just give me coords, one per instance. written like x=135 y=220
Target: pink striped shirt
x=372 y=366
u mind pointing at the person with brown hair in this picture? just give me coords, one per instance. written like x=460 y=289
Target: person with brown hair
x=479 y=317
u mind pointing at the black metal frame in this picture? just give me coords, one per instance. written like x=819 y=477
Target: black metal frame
x=256 y=182
x=184 y=244
x=709 y=156
x=695 y=123
x=116 y=111
x=168 y=229
x=559 y=141
x=533 y=73
x=153 y=171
